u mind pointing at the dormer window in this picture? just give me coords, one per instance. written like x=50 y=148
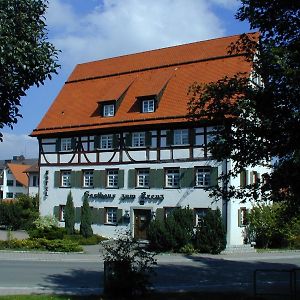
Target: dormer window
x=148 y=105
x=108 y=110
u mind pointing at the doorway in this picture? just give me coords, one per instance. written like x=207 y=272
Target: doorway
x=142 y=218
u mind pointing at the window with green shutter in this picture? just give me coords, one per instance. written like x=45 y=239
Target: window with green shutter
x=100 y=179
x=131 y=178
x=57 y=179
x=120 y=178
x=214 y=176
x=76 y=179
x=187 y=177
x=156 y=178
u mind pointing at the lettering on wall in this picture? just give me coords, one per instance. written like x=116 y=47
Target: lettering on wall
x=45 y=185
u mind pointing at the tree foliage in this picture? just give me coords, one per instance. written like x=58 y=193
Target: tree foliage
x=86 y=219
x=70 y=215
x=262 y=119
x=27 y=58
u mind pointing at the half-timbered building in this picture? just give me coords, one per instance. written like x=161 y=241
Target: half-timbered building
x=118 y=132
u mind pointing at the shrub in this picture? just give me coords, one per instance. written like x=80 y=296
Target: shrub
x=70 y=214
x=187 y=249
x=43 y=222
x=127 y=267
x=86 y=219
x=92 y=240
x=51 y=233
x=210 y=235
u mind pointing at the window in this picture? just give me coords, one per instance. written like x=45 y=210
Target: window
x=203 y=177
x=66 y=178
x=168 y=211
x=61 y=215
x=9 y=195
x=35 y=180
x=181 y=136
x=112 y=178
x=108 y=110
x=138 y=139
x=66 y=144
x=143 y=178
x=199 y=214
x=87 y=143
x=242 y=215
x=18 y=183
x=111 y=215
x=9 y=182
x=88 y=178
x=106 y=141
x=148 y=106
x=172 y=178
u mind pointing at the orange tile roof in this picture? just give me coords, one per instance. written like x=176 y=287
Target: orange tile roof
x=171 y=69
x=18 y=172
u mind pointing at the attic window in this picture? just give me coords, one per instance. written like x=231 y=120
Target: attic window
x=108 y=109
x=148 y=105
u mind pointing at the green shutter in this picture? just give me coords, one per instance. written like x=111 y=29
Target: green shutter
x=76 y=179
x=101 y=213
x=58 y=145
x=214 y=176
x=119 y=216
x=96 y=142
x=131 y=178
x=77 y=214
x=128 y=140
x=243 y=178
x=115 y=141
x=148 y=138
x=251 y=177
x=160 y=214
x=120 y=178
x=157 y=179
x=170 y=137
x=57 y=182
x=99 y=179
x=187 y=177
x=56 y=211
x=192 y=136
x=73 y=143
x=96 y=216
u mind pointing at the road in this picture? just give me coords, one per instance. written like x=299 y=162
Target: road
x=23 y=273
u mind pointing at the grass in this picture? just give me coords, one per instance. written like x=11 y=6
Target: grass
x=156 y=296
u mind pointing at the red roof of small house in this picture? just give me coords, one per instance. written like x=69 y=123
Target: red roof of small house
x=18 y=172
x=167 y=72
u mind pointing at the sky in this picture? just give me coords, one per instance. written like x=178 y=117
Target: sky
x=89 y=30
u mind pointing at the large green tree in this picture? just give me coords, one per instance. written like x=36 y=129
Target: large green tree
x=70 y=215
x=264 y=120
x=86 y=218
x=26 y=56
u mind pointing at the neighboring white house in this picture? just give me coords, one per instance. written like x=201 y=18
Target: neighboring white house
x=118 y=133
x=33 y=179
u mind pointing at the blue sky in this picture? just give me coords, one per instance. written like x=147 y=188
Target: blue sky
x=88 y=30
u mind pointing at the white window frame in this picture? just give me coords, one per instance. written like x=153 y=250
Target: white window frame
x=111 y=215
x=202 y=176
x=172 y=178
x=112 y=178
x=88 y=178
x=148 y=105
x=138 y=139
x=199 y=214
x=66 y=144
x=142 y=178
x=106 y=141
x=62 y=213
x=65 y=177
x=181 y=137
x=108 y=110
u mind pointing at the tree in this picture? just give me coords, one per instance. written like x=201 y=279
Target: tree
x=264 y=119
x=86 y=219
x=27 y=58
x=70 y=215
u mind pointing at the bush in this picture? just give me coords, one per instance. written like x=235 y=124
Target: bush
x=51 y=233
x=92 y=240
x=43 y=222
x=210 y=235
x=174 y=233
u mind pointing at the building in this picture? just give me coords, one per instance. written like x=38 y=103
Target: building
x=118 y=133
x=15 y=179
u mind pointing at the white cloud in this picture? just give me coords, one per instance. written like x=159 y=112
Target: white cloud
x=118 y=27
x=14 y=144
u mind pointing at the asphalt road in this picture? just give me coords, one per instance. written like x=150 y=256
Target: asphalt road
x=24 y=273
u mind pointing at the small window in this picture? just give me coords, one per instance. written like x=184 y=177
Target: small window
x=88 y=178
x=35 y=180
x=168 y=211
x=18 y=183
x=108 y=110
x=61 y=215
x=143 y=178
x=172 y=178
x=138 y=139
x=148 y=105
x=181 y=137
x=199 y=214
x=9 y=182
x=112 y=178
x=9 y=195
x=111 y=215
x=65 y=178
x=66 y=144
x=202 y=177
x=242 y=215
x=106 y=141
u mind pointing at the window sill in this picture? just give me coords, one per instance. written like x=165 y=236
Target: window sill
x=110 y=224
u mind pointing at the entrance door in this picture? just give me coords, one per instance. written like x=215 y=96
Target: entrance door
x=142 y=218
